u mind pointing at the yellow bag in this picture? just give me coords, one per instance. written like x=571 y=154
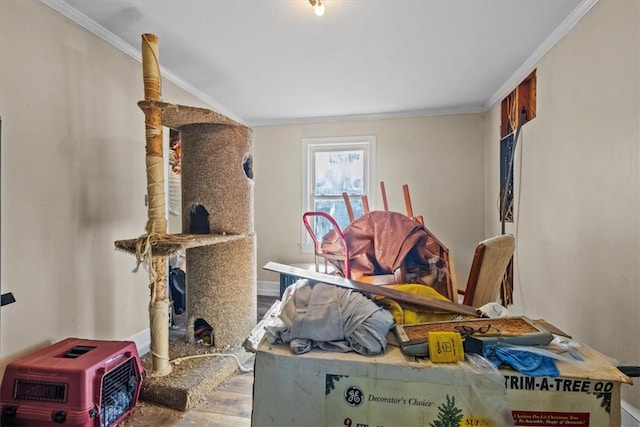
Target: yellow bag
x=406 y=316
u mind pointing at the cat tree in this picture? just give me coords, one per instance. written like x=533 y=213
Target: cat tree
x=221 y=264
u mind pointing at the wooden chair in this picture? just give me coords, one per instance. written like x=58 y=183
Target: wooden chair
x=399 y=276
x=347 y=203
x=488 y=267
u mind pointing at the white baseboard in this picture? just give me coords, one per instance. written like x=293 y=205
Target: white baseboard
x=142 y=340
x=630 y=415
x=268 y=289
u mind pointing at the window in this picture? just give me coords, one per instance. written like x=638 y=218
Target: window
x=332 y=166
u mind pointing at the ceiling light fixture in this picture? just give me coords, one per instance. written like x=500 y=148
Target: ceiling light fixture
x=318 y=7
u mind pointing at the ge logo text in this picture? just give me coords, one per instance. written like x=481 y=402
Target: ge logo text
x=353 y=396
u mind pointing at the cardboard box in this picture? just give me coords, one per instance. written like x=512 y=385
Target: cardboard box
x=585 y=394
x=346 y=389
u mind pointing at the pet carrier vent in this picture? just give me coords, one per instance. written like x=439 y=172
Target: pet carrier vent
x=40 y=390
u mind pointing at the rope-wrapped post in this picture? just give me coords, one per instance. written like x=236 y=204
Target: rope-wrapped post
x=157 y=221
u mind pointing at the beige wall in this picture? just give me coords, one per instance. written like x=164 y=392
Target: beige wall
x=73 y=181
x=440 y=158
x=577 y=220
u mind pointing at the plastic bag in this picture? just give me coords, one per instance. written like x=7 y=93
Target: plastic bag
x=487 y=396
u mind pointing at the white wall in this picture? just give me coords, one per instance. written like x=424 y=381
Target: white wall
x=578 y=188
x=439 y=157
x=73 y=181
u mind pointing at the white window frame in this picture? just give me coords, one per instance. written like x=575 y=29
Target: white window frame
x=310 y=146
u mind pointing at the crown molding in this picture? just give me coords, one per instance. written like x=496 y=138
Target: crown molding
x=373 y=116
x=64 y=9
x=528 y=66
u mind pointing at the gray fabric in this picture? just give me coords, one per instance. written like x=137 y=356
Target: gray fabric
x=331 y=318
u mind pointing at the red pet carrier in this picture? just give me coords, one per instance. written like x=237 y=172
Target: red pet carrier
x=75 y=382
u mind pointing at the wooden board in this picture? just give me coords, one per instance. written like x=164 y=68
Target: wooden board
x=399 y=296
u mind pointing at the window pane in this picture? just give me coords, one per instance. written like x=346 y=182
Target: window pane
x=337 y=172
x=337 y=209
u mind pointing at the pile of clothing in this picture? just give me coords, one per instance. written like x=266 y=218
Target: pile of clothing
x=331 y=318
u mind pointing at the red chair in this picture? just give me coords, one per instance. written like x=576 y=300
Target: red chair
x=341 y=256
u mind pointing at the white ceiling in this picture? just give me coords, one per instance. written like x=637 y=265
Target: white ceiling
x=275 y=61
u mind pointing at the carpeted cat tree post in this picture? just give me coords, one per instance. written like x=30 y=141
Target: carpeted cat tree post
x=157 y=220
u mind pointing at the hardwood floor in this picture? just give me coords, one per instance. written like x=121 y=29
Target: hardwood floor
x=228 y=405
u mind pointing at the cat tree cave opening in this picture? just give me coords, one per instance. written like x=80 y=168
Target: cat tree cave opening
x=199 y=219
x=247 y=165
